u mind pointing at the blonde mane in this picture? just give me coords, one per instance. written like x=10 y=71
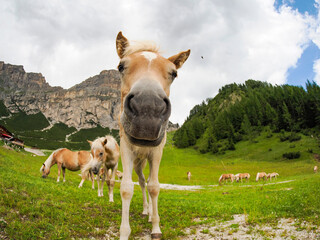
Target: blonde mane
x=140 y=46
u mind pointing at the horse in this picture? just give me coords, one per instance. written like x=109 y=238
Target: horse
x=189 y=175
x=315 y=169
x=146 y=77
x=105 y=153
x=225 y=177
x=273 y=175
x=240 y=176
x=261 y=175
x=66 y=159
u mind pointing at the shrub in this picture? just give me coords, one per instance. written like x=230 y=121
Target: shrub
x=294 y=137
x=310 y=150
x=291 y=155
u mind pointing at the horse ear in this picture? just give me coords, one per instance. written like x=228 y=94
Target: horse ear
x=104 y=142
x=179 y=58
x=89 y=142
x=121 y=44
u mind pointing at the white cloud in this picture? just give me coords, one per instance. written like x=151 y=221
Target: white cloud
x=69 y=41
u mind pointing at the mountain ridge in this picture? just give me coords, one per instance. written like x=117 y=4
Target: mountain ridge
x=93 y=102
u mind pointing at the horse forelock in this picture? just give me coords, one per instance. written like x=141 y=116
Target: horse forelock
x=141 y=46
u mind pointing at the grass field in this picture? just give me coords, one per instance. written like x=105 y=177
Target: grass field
x=36 y=208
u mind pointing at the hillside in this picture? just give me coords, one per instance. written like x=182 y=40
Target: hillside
x=33 y=208
x=243 y=111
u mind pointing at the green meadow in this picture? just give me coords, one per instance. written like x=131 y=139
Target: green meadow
x=36 y=208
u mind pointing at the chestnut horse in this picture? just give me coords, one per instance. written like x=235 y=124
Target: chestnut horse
x=146 y=77
x=241 y=176
x=105 y=153
x=66 y=159
x=261 y=175
x=225 y=177
x=272 y=175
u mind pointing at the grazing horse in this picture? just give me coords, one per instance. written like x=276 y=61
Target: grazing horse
x=66 y=159
x=261 y=175
x=105 y=153
x=273 y=175
x=241 y=176
x=146 y=77
x=315 y=169
x=189 y=175
x=225 y=177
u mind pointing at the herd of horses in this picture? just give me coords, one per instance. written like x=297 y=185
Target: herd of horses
x=238 y=177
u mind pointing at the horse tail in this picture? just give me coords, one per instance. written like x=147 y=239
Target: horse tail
x=257 y=178
x=220 y=178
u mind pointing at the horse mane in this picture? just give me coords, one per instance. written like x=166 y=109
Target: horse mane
x=140 y=46
x=48 y=162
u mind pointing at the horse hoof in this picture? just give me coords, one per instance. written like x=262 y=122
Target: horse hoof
x=156 y=236
x=144 y=214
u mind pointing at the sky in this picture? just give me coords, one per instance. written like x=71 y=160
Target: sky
x=276 y=41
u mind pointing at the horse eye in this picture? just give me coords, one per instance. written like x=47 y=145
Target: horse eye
x=121 y=67
x=101 y=154
x=173 y=74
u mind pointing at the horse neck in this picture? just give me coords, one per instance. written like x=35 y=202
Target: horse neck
x=51 y=160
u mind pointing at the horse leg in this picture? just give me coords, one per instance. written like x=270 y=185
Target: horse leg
x=98 y=182
x=59 y=171
x=82 y=180
x=92 y=178
x=64 y=173
x=103 y=180
x=142 y=182
x=153 y=190
x=111 y=182
x=126 y=189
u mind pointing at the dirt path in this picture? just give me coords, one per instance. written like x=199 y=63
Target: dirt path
x=198 y=187
x=35 y=151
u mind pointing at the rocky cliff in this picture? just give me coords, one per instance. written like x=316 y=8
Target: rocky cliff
x=96 y=101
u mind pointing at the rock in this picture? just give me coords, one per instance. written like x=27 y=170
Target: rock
x=95 y=101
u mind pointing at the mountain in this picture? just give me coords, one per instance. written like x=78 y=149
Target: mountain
x=94 y=102
x=243 y=111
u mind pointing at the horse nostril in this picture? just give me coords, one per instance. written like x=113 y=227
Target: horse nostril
x=167 y=108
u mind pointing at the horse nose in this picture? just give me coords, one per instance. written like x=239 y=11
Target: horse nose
x=146 y=104
x=44 y=176
x=95 y=170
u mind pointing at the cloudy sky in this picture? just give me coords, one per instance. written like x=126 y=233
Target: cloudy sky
x=69 y=41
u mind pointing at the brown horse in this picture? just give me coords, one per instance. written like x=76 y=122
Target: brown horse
x=146 y=77
x=105 y=153
x=272 y=175
x=261 y=175
x=225 y=177
x=241 y=176
x=66 y=159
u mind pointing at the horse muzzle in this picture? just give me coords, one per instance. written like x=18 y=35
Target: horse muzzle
x=146 y=114
x=44 y=176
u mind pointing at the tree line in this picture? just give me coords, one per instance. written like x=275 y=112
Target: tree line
x=241 y=111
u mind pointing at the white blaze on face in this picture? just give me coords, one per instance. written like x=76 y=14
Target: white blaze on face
x=149 y=55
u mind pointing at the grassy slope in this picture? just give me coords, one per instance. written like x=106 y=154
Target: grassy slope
x=35 y=208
